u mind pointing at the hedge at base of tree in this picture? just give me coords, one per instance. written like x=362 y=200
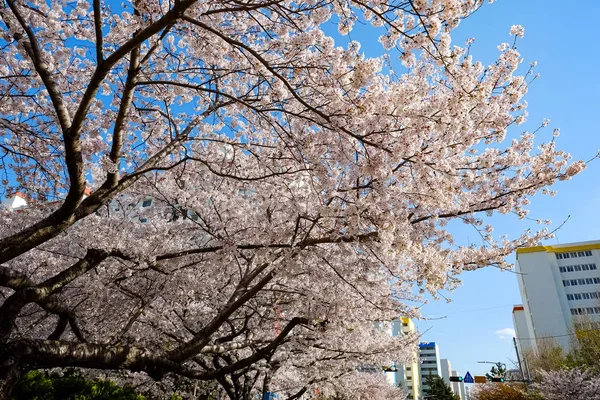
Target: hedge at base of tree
x=71 y=385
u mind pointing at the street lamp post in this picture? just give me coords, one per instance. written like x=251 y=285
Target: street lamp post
x=492 y=362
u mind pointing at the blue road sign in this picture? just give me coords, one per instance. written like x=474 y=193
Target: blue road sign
x=468 y=378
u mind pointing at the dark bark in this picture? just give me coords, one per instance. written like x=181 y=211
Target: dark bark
x=28 y=354
x=17 y=281
x=12 y=306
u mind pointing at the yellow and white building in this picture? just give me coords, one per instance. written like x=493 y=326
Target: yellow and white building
x=407 y=376
x=559 y=284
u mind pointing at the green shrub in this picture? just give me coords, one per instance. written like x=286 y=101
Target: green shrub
x=71 y=385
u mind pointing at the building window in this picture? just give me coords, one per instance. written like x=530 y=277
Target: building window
x=596 y=280
x=590 y=310
x=581 y=281
x=147 y=203
x=579 y=267
x=594 y=295
x=567 y=283
x=573 y=282
x=585 y=296
x=577 y=296
x=570 y=297
x=573 y=254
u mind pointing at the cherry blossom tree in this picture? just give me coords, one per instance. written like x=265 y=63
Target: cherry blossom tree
x=574 y=384
x=359 y=386
x=301 y=191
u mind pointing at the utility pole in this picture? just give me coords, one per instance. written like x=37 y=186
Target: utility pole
x=525 y=381
x=527 y=369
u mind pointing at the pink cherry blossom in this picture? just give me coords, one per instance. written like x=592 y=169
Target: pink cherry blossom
x=517 y=30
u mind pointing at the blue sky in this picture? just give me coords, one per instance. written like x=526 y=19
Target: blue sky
x=563 y=39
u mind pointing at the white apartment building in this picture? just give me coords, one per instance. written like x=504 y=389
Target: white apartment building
x=429 y=363
x=523 y=329
x=458 y=388
x=559 y=284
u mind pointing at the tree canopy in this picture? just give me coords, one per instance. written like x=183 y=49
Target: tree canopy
x=227 y=190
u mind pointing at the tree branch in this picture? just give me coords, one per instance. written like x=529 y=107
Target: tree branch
x=126 y=99
x=16 y=281
x=34 y=354
x=98 y=29
x=12 y=306
x=32 y=48
x=57 y=222
x=371 y=236
x=193 y=346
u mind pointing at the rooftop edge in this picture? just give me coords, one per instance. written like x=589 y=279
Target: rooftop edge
x=558 y=249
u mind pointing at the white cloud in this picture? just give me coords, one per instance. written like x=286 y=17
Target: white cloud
x=506 y=333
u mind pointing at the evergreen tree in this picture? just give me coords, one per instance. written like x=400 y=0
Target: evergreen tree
x=438 y=389
x=497 y=371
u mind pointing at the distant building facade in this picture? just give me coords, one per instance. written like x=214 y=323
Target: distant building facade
x=457 y=387
x=429 y=363
x=406 y=375
x=523 y=330
x=15 y=201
